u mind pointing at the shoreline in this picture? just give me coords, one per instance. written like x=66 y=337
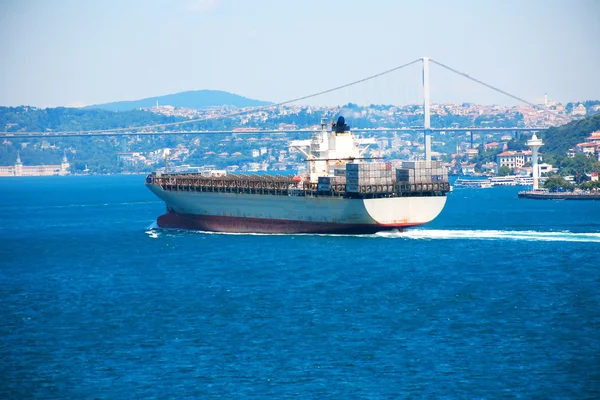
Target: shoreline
x=558 y=196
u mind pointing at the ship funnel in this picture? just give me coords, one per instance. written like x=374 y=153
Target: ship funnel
x=340 y=126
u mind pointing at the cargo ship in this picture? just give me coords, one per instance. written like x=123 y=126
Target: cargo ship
x=341 y=192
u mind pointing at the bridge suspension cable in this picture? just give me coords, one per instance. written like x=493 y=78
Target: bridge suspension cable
x=241 y=112
x=261 y=108
x=498 y=90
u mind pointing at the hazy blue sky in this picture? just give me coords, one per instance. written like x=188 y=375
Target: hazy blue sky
x=60 y=52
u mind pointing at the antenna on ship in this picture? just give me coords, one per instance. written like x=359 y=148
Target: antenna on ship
x=323 y=122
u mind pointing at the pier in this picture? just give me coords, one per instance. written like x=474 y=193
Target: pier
x=541 y=195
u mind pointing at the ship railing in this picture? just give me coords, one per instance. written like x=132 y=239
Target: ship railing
x=251 y=184
x=282 y=185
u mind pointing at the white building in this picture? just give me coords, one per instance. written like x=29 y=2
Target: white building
x=593 y=138
x=544 y=168
x=579 y=110
x=514 y=159
x=467 y=169
x=35 y=170
x=587 y=148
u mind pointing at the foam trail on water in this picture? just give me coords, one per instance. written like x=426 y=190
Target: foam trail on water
x=152 y=230
x=425 y=234
x=432 y=234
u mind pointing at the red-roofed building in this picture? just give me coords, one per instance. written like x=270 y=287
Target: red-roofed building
x=467 y=169
x=586 y=148
x=514 y=159
x=593 y=138
x=491 y=145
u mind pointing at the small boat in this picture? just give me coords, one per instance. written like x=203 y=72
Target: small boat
x=525 y=181
x=508 y=180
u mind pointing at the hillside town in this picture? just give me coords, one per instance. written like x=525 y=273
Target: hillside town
x=469 y=153
x=465 y=114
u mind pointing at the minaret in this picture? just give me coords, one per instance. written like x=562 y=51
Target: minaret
x=534 y=144
x=18 y=166
x=64 y=165
x=546 y=99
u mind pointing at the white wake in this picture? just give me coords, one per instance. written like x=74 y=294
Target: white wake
x=154 y=231
x=447 y=234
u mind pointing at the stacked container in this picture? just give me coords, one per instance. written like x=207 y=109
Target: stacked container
x=352 y=178
x=421 y=172
x=405 y=175
x=338 y=180
x=368 y=174
x=324 y=184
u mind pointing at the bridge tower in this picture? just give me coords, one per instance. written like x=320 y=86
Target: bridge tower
x=426 y=114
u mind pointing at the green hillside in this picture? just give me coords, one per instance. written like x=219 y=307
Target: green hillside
x=559 y=140
x=32 y=119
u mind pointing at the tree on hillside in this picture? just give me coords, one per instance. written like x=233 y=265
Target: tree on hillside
x=557 y=140
x=504 y=171
x=518 y=144
x=485 y=156
x=556 y=183
x=579 y=165
x=590 y=185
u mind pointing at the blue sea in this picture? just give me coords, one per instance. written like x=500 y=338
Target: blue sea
x=499 y=297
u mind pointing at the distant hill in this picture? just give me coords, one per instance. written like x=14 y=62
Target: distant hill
x=190 y=99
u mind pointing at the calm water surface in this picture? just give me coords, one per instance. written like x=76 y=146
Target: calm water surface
x=497 y=298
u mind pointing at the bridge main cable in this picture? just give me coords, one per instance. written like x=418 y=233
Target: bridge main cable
x=498 y=90
x=233 y=114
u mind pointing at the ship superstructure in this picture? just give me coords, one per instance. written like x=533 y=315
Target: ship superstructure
x=342 y=192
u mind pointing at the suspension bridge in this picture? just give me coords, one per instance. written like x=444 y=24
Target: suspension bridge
x=174 y=128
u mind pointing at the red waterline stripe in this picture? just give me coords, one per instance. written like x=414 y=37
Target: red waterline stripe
x=214 y=223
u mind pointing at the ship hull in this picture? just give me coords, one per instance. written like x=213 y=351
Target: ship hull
x=251 y=213
x=212 y=223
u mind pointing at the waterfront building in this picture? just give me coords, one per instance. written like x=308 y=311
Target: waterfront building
x=35 y=170
x=513 y=159
x=488 y=168
x=133 y=158
x=545 y=168
x=467 y=169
